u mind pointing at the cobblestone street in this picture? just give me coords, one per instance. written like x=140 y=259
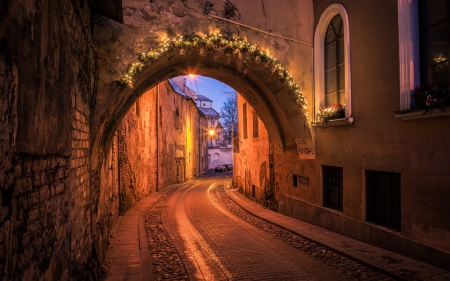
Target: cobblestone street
x=196 y=232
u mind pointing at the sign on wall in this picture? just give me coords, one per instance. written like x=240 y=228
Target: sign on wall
x=305 y=148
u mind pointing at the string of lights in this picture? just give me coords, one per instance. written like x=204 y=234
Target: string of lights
x=237 y=46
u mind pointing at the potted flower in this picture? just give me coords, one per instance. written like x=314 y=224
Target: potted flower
x=427 y=96
x=330 y=112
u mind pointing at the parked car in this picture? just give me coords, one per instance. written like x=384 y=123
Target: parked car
x=229 y=167
x=220 y=168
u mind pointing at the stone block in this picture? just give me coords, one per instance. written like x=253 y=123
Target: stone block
x=36 y=180
x=3 y=212
x=30 y=273
x=52 y=190
x=43 y=177
x=34 y=228
x=59 y=173
x=27 y=184
x=59 y=188
x=34 y=199
x=39 y=165
x=53 y=163
x=26 y=237
x=44 y=193
x=2 y=234
x=2 y=178
x=37 y=244
x=9 y=181
x=27 y=164
x=25 y=257
x=17 y=170
x=33 y=215
x=62 y=162
x=18 y=187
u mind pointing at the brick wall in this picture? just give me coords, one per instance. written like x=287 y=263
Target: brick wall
x=47 y=204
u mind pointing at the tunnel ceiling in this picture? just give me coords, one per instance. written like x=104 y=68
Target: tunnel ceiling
x=109 y=8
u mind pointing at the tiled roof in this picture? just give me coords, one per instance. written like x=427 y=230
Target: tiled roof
x=209 y=112
x=202 y=98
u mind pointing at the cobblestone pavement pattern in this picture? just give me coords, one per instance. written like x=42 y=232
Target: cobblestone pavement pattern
x=197 y=232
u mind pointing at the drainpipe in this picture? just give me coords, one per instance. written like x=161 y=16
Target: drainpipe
x=157 y=137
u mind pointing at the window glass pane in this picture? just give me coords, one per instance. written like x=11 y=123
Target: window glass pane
x=340 y=58
x=337 y=21
x=341 y=74
x=330 y=36
x=342 y=100
x=437 y=73
x=434 y=11
x=330 y=81
x=331 y=99
x=341 y=30
x=330 y=56
x=436 y=46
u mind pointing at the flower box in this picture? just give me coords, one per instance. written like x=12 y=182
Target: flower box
x=326 y=114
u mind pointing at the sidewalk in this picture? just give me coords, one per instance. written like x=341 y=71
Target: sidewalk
x=127 y=256
x=392 y=264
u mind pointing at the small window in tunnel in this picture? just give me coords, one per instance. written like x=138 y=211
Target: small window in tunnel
x=160 y=116
x=138 y=111
x=244 y=117
x=255 y=124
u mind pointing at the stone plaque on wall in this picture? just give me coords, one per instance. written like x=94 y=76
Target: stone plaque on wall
x=305 y=148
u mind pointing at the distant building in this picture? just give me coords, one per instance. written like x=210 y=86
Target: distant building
x=252 y=162
x=219 y=151
x=175 y=152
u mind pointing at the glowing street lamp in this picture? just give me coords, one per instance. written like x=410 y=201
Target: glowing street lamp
x=192 y=76
x=211 y=133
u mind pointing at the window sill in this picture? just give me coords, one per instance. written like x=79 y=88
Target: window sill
x=334 y=122
x=414 y=114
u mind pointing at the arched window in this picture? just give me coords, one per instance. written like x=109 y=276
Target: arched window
x=332 y=74
x=334 y=63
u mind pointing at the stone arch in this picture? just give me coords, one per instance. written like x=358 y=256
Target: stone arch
x=260 y=79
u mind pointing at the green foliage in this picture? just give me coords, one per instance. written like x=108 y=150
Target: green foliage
x=236 y=45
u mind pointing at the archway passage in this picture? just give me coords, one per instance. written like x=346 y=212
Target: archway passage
x=260 y=78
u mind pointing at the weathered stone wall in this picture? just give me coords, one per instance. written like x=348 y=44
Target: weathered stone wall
x=34 y=218
x=158 y=142
x=251 y=171
x=137 y=137
x=47 y=73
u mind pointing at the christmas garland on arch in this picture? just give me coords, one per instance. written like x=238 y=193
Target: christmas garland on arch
x=236 y=45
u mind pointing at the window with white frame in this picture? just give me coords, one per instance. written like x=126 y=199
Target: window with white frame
x=434 y=41
x=332 y=79
x=423 y=46
x=334 y=63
